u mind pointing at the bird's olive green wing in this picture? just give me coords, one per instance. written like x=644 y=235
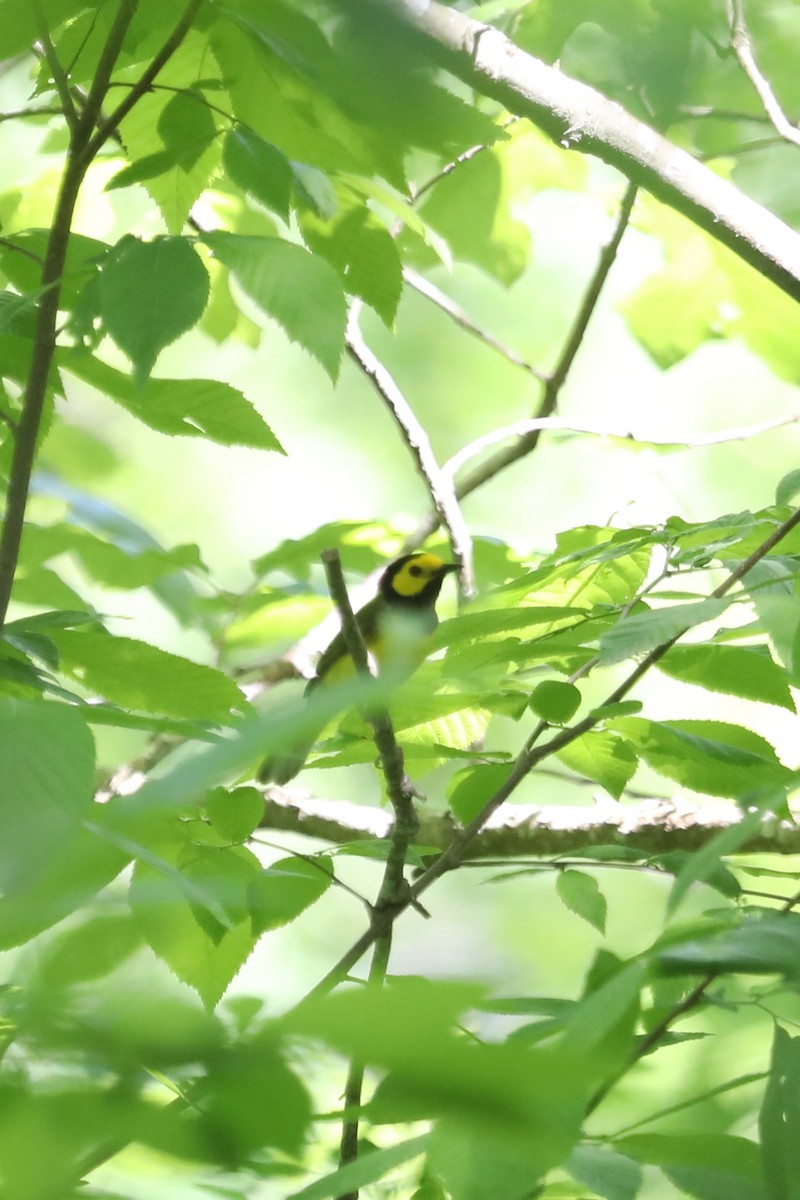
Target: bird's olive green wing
x=336 y=651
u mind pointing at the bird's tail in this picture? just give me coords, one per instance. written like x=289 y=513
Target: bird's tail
x=283 y=765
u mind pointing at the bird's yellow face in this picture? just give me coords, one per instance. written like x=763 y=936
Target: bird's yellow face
x=417 y=572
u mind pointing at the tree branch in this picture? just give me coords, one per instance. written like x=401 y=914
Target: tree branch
x=520 y=429
x=652 y=827
x=56 y=70
x=106 y=128
x=527 y=442
x=743 y=49
x=581 y=118
x=529 y=758
x=82 y=149
x=439 y=485
x=394 y=889
x=431 y=292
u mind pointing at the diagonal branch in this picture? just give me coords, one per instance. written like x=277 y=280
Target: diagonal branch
x=530 y=757
x=528 y=441
x=743 y=49
x=528 y=438
x=106 y=128
x=394 y=889
x=56 y=70
x=431 y=292
x=583 y=119
x=440 y=487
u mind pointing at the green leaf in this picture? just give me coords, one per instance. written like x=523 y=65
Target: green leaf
x=581 y=894
x=470 y=790
x=365 y=253
x=778 y=1119
x=20 y=251
x=151 y=293
x=710 y=1166
x=505 y=1100
x=472 y=209
x=788 y=487
x=496 y=621
x=714 y=757
x=764 y=942
x=478 y=1161
x=259 y=168
x=603 y=1022
x=235 y=813
x=367 y=1168
x=703 y=864
x=88 y=950
x=644 y=631
x=285 y=890
x=555 y=702
x=313 y=190
x=362 y=545
x=114 y=563
x=253 y=1100
x=747 y=671
x=611 y=1175
x=299 y=290
x=603 y=756
x=18 y=313
x=47 y=754
x=190 y=407
x=136 y=675
x=205 y=957
x=161 y=124
x=186 y=127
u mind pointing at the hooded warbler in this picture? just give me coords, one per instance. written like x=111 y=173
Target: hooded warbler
x=396 y=626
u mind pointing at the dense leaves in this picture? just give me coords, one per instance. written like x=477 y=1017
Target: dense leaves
x=193 y=215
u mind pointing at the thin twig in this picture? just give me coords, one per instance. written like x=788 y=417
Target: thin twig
x=394 y=888
x=191 y=94
x=429 y=290
x=705 y=112
x=48 y=110
x=107 y=127
x=527 y=442
x=564 y=425
x=84 y=145
x=654 y=1036
x=18 y=249
x=83 y=149
x=522 y=766
x=438 y=484
x=84 y=40
x=54 y=64
x=743 y=49
x=764 y=143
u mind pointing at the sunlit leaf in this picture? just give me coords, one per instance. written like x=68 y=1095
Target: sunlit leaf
x=581 y=894
x=299 y=290
x=151 y=293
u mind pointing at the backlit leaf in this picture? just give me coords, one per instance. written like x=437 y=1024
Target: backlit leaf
x=299 y=290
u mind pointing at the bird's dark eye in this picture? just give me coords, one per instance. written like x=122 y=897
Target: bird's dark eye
x=415 y=570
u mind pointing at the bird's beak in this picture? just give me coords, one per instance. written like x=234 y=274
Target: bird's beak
x=446 y=568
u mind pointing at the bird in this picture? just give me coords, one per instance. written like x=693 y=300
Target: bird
x=396 y=626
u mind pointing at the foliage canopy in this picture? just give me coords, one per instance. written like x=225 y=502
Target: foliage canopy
x=354 y=199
